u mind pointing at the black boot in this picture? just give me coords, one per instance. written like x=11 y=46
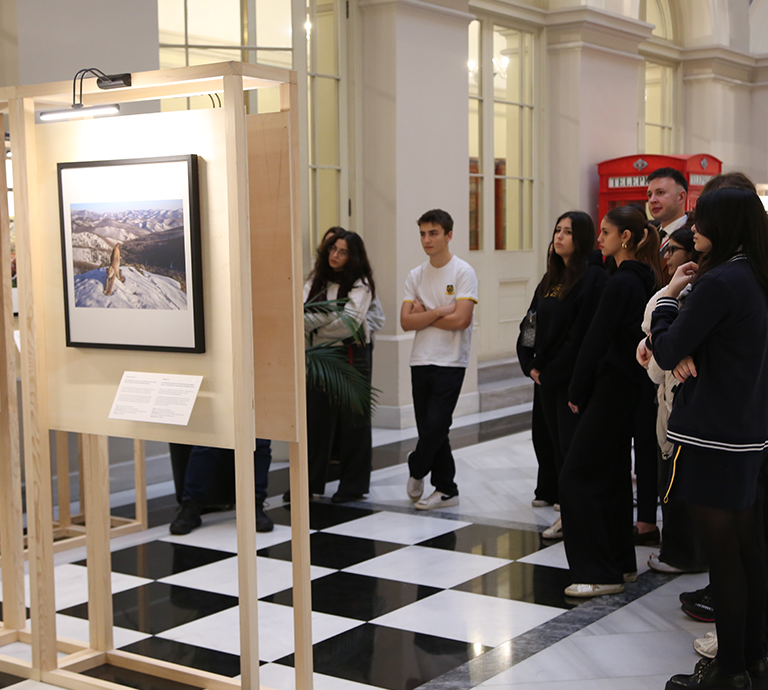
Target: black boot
x=187 y=519
x=263 y=521
x=708 y=675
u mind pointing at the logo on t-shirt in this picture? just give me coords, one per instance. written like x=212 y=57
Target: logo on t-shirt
x=449 y=289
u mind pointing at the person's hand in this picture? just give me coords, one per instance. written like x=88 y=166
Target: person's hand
x=685 y=369
x=447 y=310
x=535 y=373
x=418 y=307
x=683 y=275
x=643 y=354
x=574 y=408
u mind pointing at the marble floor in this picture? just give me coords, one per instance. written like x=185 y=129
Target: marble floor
x=470 y=596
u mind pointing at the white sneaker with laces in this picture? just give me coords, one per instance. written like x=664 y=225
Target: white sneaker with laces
x=415 y=488
x=437 y=499
x=706 y=646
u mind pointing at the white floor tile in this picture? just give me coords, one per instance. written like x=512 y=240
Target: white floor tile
x=469 y=617
x=399 y=528
x=279 y=677
x=424 y=566
x=272 y=575
x=71 y=585
x=77 y=629
x=221 y=631
x=222 y=536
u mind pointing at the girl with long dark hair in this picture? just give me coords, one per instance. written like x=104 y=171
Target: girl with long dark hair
x=718 y=421
x=342 y=271
x=595 y=482
x=564 y=302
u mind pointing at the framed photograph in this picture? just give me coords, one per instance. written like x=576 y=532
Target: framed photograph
x=130 y=238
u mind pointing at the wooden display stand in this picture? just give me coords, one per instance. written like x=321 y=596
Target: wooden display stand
x=254 y=341
x=69 y=530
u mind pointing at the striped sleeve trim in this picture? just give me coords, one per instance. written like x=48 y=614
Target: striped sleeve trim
x=408 y=300
x=715 y=445
x=471 y=299
x=667 y=302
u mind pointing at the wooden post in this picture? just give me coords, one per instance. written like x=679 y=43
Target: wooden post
x=11 y=528
x=35 y=408
x=242 y=345
x=62 y=476
x=96 y=480
x=140 y=480
x=299 y=479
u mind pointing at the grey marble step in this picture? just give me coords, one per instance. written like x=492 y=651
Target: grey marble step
x=501 y=383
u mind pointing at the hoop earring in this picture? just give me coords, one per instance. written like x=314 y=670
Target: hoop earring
x=623 y=245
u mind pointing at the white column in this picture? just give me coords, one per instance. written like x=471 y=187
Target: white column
x=593 y=100
x=415 y=154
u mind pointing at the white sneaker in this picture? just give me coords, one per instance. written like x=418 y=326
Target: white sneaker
x=437 y=499
x=583 y=590
x=415 y=488
x=554 y=532
x=706 y=646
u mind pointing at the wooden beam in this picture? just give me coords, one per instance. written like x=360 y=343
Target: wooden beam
x=298 y=472
x=62 y=478
x=11 y=526
x=96 y=471
x=242 y=346
x=171 y=671
x=33 y=377
x=140 y=482
x=82 y=660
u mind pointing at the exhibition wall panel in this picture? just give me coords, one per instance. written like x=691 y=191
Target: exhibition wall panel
x=82 y=382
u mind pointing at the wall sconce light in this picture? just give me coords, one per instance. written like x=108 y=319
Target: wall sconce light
x=77 y=110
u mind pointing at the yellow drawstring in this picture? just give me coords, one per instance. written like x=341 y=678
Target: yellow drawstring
x=674 y=468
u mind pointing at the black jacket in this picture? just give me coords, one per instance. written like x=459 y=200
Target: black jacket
x=615 y=331
x=561 y=325
x=724 y=327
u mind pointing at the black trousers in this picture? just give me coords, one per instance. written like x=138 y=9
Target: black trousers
x=561 y=423
x=646 y=453
x=435 y=394
x=596 y=485
x=348 y=436
x=544 y=448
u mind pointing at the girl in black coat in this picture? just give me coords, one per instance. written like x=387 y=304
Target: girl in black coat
x=565 y=302
x=719 y=421
x=596 y=482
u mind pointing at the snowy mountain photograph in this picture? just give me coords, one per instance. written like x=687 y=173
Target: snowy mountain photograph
x=129 y=255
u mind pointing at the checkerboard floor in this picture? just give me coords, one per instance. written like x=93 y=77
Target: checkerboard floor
x=400 y=598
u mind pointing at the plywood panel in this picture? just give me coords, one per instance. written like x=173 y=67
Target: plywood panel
x=83 y=381
x=277 y=322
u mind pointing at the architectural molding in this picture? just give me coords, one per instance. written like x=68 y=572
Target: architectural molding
x=594 y=48
x=511 y=9
x=420 y=6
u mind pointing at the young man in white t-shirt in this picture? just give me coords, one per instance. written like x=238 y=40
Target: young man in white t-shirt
x=440 y=296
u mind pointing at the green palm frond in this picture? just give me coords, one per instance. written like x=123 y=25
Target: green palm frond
x=347 y=388
x=315 y=307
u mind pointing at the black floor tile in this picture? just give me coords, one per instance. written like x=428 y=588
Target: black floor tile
x=156 y=607
x=208 y=660
x=389 y=658
x=160 y=511
x=321 y=515
x=135 y=679
x=485 y=540
x=536 y=584
x=159 y=559
x=334 y=550
x=7 y=679
x=357 y=596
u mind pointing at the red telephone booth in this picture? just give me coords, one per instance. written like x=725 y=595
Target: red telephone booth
x=624 y=180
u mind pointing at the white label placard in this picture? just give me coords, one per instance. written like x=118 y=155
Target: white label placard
x=156 y=398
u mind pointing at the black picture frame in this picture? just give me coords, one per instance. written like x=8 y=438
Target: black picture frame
x=131 y=254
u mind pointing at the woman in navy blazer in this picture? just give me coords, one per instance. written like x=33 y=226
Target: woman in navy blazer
x=719 y=421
